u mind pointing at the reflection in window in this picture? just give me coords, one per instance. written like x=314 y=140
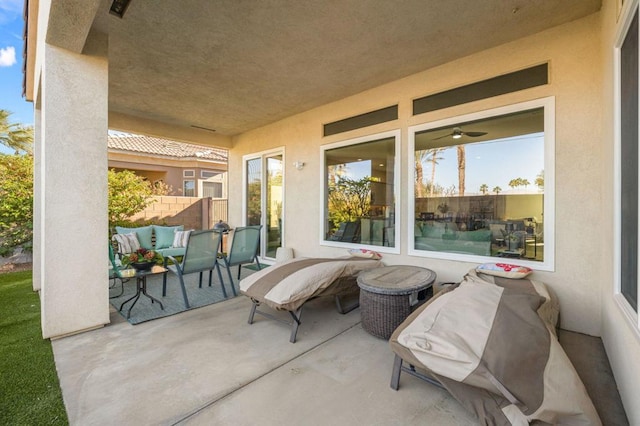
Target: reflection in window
x=360 y=197
x=254 y=191
x=479 y=187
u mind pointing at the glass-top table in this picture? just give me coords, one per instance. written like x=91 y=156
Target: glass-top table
x=141 y=285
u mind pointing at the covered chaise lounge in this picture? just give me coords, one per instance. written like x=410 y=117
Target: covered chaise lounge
x=492 y=343
x=287 y=286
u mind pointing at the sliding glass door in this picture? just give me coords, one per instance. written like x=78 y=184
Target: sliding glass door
x=264 y=199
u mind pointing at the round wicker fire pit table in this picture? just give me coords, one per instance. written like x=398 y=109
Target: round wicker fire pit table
x=385 y=296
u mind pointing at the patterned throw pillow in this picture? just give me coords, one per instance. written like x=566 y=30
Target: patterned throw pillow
x=367 y=254
x=127 y=243
x=505 y=270
x=180 y=238
x=143 y=233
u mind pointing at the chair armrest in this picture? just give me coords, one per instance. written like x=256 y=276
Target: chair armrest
x=175 y=262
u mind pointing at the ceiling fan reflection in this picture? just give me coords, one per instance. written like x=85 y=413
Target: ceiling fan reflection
x=457 y=133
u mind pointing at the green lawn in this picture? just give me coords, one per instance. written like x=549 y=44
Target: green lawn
x=29 y=389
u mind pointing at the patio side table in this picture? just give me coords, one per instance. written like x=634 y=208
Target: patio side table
x=141 y=285
x=385 y=296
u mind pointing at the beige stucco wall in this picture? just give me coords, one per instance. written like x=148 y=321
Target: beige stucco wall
x=576 y=82
x=621 y=340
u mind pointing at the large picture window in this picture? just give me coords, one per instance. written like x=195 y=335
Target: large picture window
x=483 y=186
x=360 y=181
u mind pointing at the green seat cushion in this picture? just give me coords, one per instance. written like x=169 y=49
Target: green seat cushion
x=144 y=234
x=165 y=234
x=172 y=251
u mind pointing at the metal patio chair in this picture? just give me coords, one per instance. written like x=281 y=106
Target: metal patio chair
x=201 y=255
x=244 y=249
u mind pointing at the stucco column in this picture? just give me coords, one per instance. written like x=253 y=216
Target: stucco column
x=73 y=190
x=37 y=198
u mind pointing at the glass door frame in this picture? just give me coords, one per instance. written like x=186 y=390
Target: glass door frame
x=263 y=156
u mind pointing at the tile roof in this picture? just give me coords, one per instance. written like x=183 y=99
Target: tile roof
x=165 y=147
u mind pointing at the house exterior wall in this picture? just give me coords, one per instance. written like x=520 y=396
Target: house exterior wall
x=621 y=340
x=575 y=81
x=172 y=176
x=579 y=56
x=170 y=171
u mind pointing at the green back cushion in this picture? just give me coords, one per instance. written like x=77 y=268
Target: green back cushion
x=165 y=234
x=143 y=233
x=479 y=235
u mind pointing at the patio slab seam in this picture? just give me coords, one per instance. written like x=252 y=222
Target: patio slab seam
x=265 y=374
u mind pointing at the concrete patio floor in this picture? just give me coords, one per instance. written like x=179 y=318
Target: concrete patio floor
x=208 y=366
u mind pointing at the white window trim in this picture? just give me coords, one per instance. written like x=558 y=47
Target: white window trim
x=631 y=316
x=396 y=134
x=202 y=174
x=548 y=104
x=189 y=174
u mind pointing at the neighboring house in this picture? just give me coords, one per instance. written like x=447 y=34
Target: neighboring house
x=189 y=170
x=300 y=92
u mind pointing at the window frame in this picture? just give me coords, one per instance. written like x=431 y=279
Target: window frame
x=548 y=104
x=190 y=173
x=184 y=189
x=397 y=191
x=632 y=317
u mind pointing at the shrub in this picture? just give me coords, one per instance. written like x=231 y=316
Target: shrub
x=128 y=194
x=16 y=202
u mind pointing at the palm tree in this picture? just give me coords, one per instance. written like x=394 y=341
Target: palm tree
x=514 y=183
x=420 y=157
x=462 y=164
x=433 y=154
x=484 y=188
x=14 y=135
x=539 y=182
x=497 y=189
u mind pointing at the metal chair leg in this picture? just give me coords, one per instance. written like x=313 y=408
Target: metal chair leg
x=224 y=290
x=164 y=278
x=252 y=312
x=230 y=277
x=295 y=324
x=395 y=375
x=184 y=292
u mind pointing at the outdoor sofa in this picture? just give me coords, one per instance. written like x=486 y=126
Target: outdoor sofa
x=443 y=236
x=166 y=240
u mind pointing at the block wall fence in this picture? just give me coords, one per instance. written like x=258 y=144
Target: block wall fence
x=192 y=212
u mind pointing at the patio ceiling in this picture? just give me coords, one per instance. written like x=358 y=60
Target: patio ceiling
x=233 y=66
